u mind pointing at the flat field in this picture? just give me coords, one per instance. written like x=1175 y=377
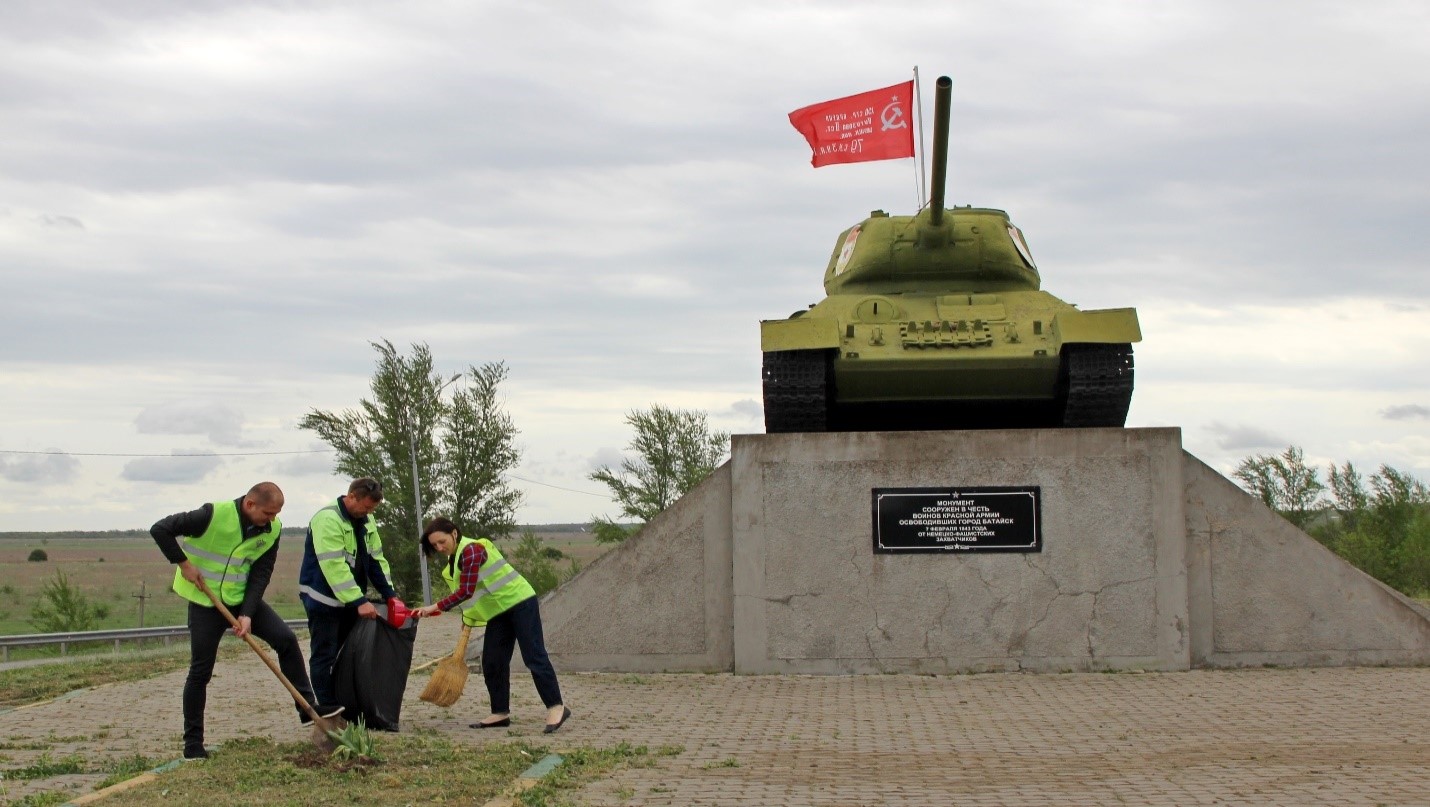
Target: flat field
x=579 y=545
x=111 y=570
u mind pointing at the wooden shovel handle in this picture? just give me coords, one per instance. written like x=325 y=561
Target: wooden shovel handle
x=272 y=665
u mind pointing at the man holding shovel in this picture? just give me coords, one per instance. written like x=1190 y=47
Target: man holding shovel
x=229 y=547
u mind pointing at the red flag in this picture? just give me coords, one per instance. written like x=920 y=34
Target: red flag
x=872 y=125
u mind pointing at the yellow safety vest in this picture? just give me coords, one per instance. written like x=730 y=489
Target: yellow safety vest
x=334 y=550
x=223 y=556
x=499 y=584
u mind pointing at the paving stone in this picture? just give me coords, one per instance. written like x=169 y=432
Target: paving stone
x=1330 y=736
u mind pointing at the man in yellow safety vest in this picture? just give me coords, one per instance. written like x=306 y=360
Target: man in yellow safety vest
x=231 y=545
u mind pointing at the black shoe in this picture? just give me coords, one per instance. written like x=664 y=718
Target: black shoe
x=496 y=724
x=550 y=727
x=325 y=712
x=192 y=754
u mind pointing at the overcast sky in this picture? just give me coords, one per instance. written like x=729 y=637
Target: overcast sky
x=209 y=210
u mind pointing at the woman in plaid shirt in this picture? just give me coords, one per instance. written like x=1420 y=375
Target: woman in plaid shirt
x=490 y=591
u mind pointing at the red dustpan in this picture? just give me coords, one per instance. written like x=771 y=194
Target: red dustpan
x=397 y=613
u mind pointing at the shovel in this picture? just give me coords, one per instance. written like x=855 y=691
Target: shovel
x=446 y=684
x=323 y=729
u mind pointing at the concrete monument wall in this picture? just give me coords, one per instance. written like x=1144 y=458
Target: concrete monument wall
x=1149 y=560
x=1263 y=592
x=660 y=601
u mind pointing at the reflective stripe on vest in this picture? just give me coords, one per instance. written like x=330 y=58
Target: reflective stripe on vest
x=223 y=557
x=499 y=584
x=330 y=571
x=231 y=569
x=319 y=596
x=330 y=576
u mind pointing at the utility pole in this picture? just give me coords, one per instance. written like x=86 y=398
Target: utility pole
x=141 y=597
x=417 y=496
x=417 y=511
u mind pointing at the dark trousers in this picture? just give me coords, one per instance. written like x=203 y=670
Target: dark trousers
x=328 y=628
x=206 y=627
x=519 y=625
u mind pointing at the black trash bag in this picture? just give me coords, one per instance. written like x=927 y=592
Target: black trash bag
x=370 y=674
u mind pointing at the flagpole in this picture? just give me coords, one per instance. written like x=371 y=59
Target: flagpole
x=919 y=164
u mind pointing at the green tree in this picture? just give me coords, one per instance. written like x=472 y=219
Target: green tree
x=1391 y=539
x=63 y=608
x=465 y=444
x=674 y=451
x=1348 y=494
x=1283 y=483
x=38 y=556
x=1380 y=524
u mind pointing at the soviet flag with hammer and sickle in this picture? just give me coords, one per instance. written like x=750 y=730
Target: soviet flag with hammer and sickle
x=874 y=125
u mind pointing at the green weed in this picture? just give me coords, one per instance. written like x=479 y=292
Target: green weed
x=45 y=768
x=355 y=743
x=126 y=769
x=41 y=799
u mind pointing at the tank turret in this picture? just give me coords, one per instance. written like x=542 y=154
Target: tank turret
x=938 y=320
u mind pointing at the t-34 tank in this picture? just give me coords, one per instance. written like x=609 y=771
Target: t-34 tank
x=937 y=321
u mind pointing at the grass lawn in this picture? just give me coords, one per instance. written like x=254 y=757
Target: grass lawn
x=427 y=768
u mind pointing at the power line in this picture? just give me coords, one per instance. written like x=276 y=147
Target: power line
x=558 y=487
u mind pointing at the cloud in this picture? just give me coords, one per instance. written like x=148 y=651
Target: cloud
x=1406 y=412
x=605 y=456
x=39 y=469
x=318 y=463
x=62 y=222
x=747 y=408
x=222 y=424
x=239 y=197
x=1244 y=437
x=181 y=467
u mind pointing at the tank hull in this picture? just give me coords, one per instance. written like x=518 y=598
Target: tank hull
x=857 y=362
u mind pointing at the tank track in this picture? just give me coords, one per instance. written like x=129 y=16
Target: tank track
x=799 y=386
x=1096 y=385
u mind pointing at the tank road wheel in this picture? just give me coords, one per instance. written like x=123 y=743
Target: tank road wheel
x=799 y=385
x=1095 y=384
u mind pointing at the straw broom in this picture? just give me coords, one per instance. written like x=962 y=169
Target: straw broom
x=445 y=686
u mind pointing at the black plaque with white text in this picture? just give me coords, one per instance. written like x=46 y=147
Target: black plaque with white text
x=957 y=520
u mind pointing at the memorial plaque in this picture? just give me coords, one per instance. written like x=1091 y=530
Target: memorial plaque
x=957 y=520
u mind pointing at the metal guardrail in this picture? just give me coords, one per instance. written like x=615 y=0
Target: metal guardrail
x=64 y=640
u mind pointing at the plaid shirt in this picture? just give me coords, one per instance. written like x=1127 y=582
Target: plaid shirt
x=470 y=562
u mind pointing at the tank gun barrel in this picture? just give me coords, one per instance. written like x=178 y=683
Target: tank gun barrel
x=943 y=93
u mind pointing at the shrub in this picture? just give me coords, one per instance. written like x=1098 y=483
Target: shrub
x=38 y=555
x=530 y=558
x=63 y=608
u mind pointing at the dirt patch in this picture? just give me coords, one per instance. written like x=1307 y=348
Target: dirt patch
x=313 y=759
